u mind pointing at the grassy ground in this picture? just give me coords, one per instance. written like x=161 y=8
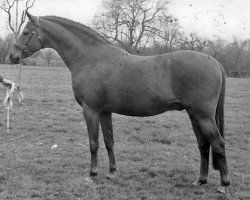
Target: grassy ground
x=157 y=156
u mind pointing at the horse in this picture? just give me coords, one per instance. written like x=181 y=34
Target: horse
x=107 y=79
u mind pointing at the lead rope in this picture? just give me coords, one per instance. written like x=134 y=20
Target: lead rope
x=7 y=102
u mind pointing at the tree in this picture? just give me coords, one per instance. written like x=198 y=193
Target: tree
x=11 y=8
x=5 y=45
x=169 y=32
x=238 y=53
x=48 y=55
x=239 y=48
x=193 y=42
x=234 y=56
x=129 y=23
x=217 y=47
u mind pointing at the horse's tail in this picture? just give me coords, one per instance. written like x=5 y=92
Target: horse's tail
x=219 y=116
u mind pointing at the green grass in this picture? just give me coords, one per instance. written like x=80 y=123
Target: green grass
x=157 y=157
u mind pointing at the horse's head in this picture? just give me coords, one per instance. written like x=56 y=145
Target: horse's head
x=28 y=42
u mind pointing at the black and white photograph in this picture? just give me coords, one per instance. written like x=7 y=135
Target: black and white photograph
x=124 y=100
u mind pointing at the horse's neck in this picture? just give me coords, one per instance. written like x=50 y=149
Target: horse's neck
x=71 y=48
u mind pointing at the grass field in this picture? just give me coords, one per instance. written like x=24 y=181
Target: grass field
x=157 y=157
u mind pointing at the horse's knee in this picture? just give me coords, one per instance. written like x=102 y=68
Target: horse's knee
x=93 y=147
x=204 y=152
x=204 y=146
x=109 y=146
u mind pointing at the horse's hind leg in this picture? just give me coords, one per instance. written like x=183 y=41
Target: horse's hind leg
x=107 y=129
x=204 y=147
x=211 y=132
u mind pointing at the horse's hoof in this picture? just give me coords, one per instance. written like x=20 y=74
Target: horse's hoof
x=89 y=180
x=93 y=174
x=221 y=189
x=196 y=183
x=226 y=182
x=199 y=183
x=110 y=176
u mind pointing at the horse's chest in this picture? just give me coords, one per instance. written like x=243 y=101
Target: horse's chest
x=88 y=91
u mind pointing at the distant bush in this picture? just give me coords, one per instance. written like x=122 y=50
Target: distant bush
x=238 y=73
x=30 y=62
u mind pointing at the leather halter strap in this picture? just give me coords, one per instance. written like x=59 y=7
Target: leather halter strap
x=25 y=49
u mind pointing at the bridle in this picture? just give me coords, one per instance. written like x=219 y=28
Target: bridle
x=25 y=49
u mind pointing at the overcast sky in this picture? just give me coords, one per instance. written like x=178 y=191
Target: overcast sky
x=225 y=18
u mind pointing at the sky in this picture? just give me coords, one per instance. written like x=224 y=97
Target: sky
x=224 y=18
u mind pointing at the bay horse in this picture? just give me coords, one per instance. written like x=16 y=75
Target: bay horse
x=106 y=79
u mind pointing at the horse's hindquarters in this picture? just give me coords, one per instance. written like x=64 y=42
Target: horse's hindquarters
x=197 y=81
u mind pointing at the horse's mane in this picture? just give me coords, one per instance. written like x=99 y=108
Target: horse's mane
x=77 y=28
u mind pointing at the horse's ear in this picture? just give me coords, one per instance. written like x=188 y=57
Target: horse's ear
x=32 y=18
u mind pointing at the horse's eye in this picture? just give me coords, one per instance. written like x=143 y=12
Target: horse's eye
x=25 y=33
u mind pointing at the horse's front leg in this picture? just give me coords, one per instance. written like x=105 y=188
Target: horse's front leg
x=107 y=129
x=92 y=121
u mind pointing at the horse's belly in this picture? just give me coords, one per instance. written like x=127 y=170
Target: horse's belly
x=146 y=107
x=150 y=111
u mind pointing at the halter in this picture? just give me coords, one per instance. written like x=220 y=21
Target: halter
x=25 y=49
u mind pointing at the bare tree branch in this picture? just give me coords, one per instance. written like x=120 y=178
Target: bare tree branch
x=131 y=21
x=193 y=42
x=7 y=7
x=31 y=5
